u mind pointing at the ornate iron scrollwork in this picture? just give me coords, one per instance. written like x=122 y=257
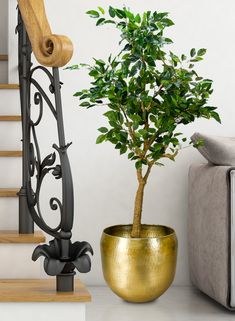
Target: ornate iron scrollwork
x=62 y=256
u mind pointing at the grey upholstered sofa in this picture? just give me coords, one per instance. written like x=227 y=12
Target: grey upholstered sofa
x=211 y=231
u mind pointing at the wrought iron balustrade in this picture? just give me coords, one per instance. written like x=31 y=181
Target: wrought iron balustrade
x=62 y=257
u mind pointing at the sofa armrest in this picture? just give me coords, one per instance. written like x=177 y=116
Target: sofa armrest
x=209 y=230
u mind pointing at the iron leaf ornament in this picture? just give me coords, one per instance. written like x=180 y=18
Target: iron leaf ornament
x=53 y=265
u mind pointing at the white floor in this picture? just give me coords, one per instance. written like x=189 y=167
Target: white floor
x=177 y=304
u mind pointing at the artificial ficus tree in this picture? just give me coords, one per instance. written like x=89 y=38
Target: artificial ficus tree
x=148 y=91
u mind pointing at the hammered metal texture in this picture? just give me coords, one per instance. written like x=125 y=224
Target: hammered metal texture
x=139 y=269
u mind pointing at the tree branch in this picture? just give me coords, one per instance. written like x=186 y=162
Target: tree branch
x=150 y=165
x=171 y=156
x=131 y=133
x=139 y=175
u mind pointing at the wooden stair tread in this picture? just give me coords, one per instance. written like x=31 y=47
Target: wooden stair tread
x=8 y=192
x=9 y=86
x=10 y=118
x=16 y=238
x=3 y=57
x=10 y=153
x=40 y=290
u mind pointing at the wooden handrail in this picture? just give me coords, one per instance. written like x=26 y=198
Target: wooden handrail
x=50 y=50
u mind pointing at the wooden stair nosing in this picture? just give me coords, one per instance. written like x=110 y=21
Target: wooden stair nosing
x=40 y=290
x=9 y=86
x=10 y=118
x=3 y=57
x=9 y=192
x=11 y=153
x=16 y=238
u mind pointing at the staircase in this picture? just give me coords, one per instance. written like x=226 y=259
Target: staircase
x=20 y=277
x=11 y=157
x=22 y=245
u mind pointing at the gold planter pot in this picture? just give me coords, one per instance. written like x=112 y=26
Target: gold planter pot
x=139 y=269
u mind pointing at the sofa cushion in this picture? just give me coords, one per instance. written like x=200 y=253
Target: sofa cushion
x=216 y=149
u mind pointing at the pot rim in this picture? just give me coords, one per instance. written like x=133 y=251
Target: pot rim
x=171 y=230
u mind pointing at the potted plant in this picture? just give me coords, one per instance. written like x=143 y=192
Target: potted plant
x=148 y=92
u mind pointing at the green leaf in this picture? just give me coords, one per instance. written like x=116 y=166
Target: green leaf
x=118 y=146
x=85 y=104
x=112 y=116
x=73 y=67
x=201 y=52
x=152 y=130
x=215 y=116
x=160 y=25
x=93 y=13
x=138 y=18
x=100 y=21
x=167 y=22
x=100 y=139
x=138 y=164
x=123 y=149
x=109 y=22
x=113 y=124
x=93 y=73
x=101 y=10
x=136 y=118
x=133 y=71
x=79 y=93
x=178 y=134
x=167 y=40
x=103 y=130
x=120 y=13
x=152 y=118
x=150 y=61
x=196 y=59
x=192 y=52
x=129 y=15
x=112 y=12
x=160 y=15
x=130 y=155
x=100 y=62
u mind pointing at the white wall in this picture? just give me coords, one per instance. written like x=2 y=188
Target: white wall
x=3 y=39
x=3 y=27
x=104 y=182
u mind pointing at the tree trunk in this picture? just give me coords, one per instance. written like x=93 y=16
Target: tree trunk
x=136 y=228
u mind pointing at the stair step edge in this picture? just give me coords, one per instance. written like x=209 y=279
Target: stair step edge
x=9 y=192
x=13 y=237
x=9 y=86
x=40 y=290
x=3 y=57
x=10 y=118
x=11 y=153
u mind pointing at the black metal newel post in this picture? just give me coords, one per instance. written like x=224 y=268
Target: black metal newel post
x=62 y=257
x=26 y=225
